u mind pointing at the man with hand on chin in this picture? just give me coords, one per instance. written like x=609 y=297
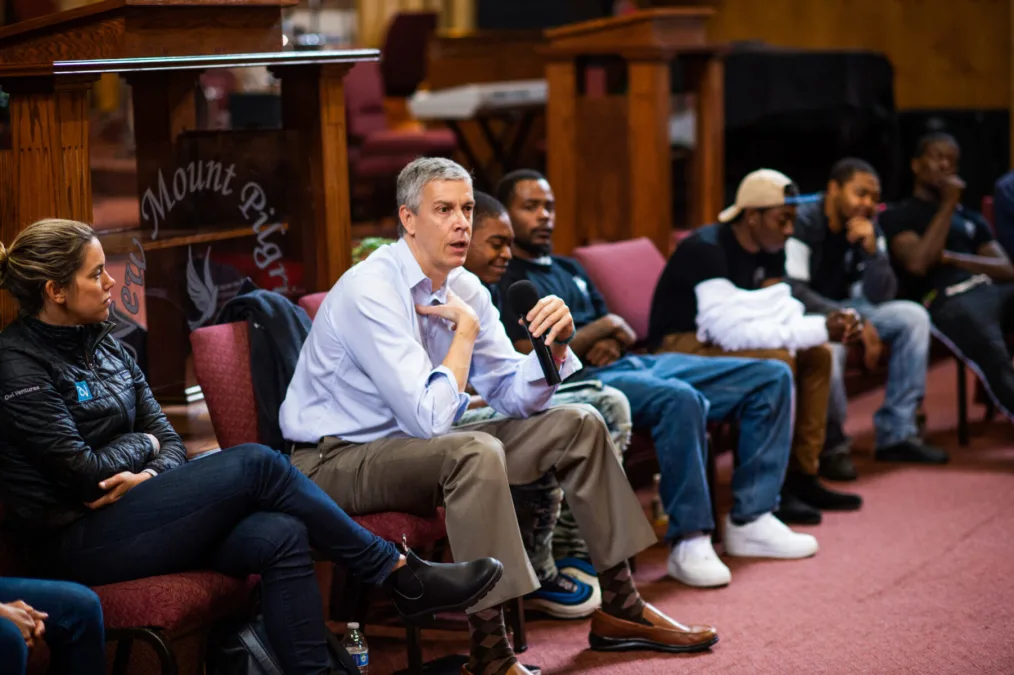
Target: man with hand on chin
x=948 y=260
x=837 y=258
x=381 y=380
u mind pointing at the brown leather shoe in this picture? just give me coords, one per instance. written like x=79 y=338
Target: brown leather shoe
x=516 y=669
x=665 y=635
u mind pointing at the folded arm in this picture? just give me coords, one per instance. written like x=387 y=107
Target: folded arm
x=57 y=447
x=990 y=259
x=770 y=318
x=918 y=254
x=426 y=400
x=151 y=420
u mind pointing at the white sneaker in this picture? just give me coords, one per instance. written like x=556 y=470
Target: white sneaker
x=767 y=537
x=694 y=562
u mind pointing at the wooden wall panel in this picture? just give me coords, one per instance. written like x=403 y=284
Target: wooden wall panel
x=946 y=53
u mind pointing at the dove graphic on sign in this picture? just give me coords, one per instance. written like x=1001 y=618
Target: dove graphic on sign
x=203 y=292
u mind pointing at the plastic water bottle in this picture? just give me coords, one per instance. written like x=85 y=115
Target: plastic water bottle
x=355 y=644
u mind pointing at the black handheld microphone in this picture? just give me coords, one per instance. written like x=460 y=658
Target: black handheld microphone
x=523 y=296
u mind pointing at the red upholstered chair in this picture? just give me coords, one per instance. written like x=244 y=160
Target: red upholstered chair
x=157 y=610
x=367 y=122
x=377 y=153
x=222 y=368
x=404 y=62
x=625 y=272
x=311 y=303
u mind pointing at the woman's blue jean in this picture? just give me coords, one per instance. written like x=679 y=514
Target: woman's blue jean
x=241 y=511
x=74 y=632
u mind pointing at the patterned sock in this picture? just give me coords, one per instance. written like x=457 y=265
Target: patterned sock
x=619 y=597
x=490 y=652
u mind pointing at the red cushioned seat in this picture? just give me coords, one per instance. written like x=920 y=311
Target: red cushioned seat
x=176 y=603
x=427 y=142
x=153 y=609
x=311 y=303
x=419 y=531
x=222 y=367
x=625 y=273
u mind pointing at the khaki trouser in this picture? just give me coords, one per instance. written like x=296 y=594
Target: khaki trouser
x=812 y=371
x=470 y=470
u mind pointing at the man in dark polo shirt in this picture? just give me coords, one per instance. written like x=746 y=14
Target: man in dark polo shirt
x=837 y=258
x=672 y=395
x=720 y=295
x=948 y=260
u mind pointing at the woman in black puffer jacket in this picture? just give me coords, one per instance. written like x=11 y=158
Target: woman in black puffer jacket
x=92 y=470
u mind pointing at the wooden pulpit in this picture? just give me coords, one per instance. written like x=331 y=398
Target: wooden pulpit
x=161 y=47
x=609 y=156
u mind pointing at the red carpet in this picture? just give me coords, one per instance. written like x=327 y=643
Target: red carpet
x=920 y=581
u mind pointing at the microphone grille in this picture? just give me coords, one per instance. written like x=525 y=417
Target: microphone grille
x=522 y=296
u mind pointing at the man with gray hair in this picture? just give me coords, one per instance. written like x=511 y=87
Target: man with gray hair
x=381 y=379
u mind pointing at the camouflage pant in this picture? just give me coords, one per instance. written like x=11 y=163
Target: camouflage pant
x=547 y=526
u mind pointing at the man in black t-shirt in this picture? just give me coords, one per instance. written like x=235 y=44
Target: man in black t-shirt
x=837 y=258
x=672 y=395
x=720 y=295
x=947 y=260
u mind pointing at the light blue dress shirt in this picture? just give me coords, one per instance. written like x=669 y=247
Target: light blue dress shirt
x=370 y=367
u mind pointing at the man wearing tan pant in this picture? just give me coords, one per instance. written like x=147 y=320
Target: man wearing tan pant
x=811 y=369
x=721 y=295
x=380 y=381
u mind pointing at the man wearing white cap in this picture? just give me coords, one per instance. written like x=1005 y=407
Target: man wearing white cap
x=721 y=295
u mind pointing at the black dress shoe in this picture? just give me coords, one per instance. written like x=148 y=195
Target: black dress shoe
x=423 y=588
x=912 y=450
x=808 y=489
x=838 y=467
x=794 y=512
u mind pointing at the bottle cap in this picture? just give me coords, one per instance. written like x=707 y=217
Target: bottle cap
x=353 y=625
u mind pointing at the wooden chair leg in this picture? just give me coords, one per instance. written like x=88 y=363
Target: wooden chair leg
x=516 y=613
x=962 y=403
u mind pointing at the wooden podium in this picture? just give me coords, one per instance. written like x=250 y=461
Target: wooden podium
x=609 y=156
x=48 y=66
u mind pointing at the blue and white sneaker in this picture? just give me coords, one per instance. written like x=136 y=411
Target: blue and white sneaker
x=581 y=570
x=563 y=597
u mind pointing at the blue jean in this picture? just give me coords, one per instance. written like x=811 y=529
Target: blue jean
x=74 y=630
x=676 y=395
x=241 y=511
x=905 y=327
